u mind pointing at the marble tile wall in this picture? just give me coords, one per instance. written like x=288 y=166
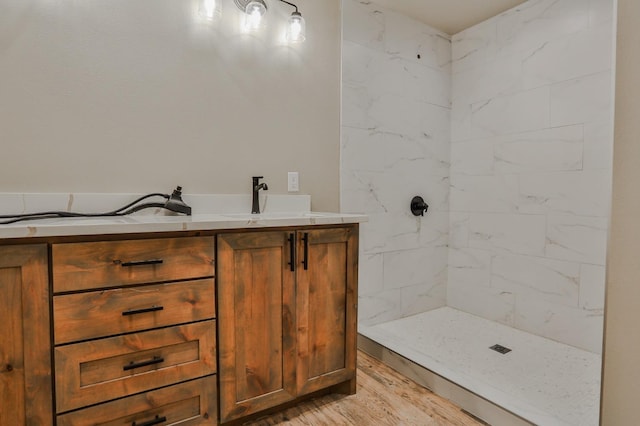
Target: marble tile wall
x=396 y=113
x=531 y=144
x=505 y=129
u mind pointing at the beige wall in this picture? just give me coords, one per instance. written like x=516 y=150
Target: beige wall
x=139 y=96
x=621 y=381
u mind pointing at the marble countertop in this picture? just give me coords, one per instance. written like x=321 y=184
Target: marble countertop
x=156 y=223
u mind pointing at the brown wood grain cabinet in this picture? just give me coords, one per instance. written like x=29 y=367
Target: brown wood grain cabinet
x=25 y=348
x=175 y=330
x=186 y=404
x=135 y=331
x=287 y=315
x=326 y=299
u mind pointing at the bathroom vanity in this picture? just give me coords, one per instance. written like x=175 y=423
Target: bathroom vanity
x=175 y=320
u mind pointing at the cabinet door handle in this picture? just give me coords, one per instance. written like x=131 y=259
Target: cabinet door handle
x=141 y=262
x=142 y=311
x=292 y=252
x=132 y=365
x=305 y=258
x=152 y=422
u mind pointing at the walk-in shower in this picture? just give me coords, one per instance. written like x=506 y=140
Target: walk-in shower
x=505 y=129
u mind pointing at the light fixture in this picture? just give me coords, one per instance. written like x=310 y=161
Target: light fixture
x=210 y=9
x=255 y=10
x=296 y=30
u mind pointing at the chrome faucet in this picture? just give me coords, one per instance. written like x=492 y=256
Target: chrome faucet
x=257 y=186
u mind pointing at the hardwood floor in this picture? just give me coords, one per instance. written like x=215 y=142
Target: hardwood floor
x=384 y=397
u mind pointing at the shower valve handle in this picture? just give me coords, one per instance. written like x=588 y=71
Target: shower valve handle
x=418 y=206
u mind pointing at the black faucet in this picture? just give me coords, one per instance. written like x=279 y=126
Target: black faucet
x=257 y=186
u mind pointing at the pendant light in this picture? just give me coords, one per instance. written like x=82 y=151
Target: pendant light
x=210 y=9
x=296 y=30
x=255 y=10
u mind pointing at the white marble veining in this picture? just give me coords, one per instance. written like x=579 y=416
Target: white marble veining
x=528 y=276
x=586 y=193
x=545 y=382
x=580 y=54
x=531 y=25
x=582 y=100
x=210 y=212
x=407 y=267
x=396 y=144
x=515 y=161
x=508 y=233
x=591 y=289
x=473 y=47
x=486 y=302
x=484 y=193
x=515 y=113
x=553 y=149
x=557 y=322
x=469 y=267
x=577 y=238
x=531 y=168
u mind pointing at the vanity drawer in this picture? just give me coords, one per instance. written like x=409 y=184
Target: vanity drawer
x=101 y=370
x=187 y=404
x=83 y=316
x=103 y=264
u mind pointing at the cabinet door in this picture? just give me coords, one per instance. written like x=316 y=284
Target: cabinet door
x=257 y=323
x=25 y=360
x=326 y=308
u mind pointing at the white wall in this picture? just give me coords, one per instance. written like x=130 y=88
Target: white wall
x=531 y=168
x=621 y=377
x=395 y=144
x=139 y=96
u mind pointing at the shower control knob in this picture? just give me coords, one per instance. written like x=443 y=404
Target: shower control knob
x=418 y=206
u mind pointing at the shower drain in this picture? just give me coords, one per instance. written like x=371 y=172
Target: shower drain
x=499 y=348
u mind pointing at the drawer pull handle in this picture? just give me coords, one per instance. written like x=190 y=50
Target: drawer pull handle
x=132 y=365
x=155 y=421
x=141 y=262
x=292 y=252
x=142 y=311
x=305 y=258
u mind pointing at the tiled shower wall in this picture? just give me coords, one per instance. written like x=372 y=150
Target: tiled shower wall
x=531 y=168
x=519 y=189
x=396 y=144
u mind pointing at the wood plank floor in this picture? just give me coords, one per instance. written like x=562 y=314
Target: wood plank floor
x=384 y=397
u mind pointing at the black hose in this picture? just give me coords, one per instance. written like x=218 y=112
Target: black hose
x=55 y=214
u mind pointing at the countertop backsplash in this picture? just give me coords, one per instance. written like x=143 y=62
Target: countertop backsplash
x=16 y=203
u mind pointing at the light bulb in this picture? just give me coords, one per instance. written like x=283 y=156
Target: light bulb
x=210 y=9
x=255 y=10
x=296 y=31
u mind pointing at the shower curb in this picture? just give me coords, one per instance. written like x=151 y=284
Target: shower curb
x=468 y=401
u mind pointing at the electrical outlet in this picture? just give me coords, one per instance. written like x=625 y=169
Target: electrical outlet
x=293 y=182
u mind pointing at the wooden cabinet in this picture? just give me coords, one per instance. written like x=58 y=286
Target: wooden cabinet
x=126 y=331
x=257 y=325
x=130 y=309
x=326 y=308
x=287 y=316
x=135 y=331
x=185 y=404
x=25 y=360
x=100 y=370
x=102 y=264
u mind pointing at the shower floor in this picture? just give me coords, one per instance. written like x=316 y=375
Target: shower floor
x=542 y=381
